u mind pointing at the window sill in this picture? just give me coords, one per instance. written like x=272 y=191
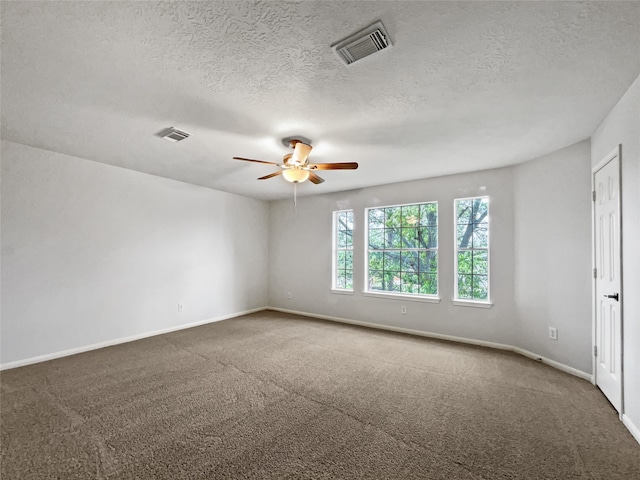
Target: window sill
x=341 y=292
x=471 y=303
x=403 y=297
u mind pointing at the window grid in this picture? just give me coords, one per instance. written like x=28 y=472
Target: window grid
x=403 y=249
x=343 y=248
x=472 y=249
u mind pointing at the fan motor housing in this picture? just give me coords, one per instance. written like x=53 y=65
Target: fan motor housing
x=286 y=141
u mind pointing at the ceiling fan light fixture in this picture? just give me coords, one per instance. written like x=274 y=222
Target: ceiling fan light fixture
x=295 y=175
x=300 y=153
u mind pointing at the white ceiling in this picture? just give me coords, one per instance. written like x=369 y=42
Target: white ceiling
x=466 y=85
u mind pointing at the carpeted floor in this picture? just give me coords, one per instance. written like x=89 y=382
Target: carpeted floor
x=271 y=395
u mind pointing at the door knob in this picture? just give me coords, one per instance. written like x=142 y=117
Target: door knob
x=614 y=296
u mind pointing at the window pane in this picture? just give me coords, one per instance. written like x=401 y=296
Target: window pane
x=410 y=215
x=392 y=261
x=341 y=281
x=393 y=217
x=429 y=237
x=464 y=211
x=481 y=235
x=341 y=259
x=428 y=283
x=480 y=287
x=342 y=239
x=464 y=235
x=465 y=262
x=432 y=257
x=376 y=218
x=465 y=287
x=410 y=238
x=410 y=261
x=392 y=238
x=348 y=260
x=410 y=282
x=392 y=281
x=376 y=261
x=349 y=220
x=428 y=261
x=424 y=262
x=480 y=209
x=348 y=280
x=429 y=214
x=480 y=264
x=375 y=279
x=376 y=238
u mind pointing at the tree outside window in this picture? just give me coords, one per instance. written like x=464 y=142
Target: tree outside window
x=403 y=249
x=343 y=248
x=472 y=249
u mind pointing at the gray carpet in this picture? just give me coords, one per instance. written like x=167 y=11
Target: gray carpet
x=271 y=395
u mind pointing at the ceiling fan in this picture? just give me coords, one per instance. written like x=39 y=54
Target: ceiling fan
x=295 y=167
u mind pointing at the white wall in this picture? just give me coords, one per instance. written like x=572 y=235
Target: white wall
x=92 y=253
x=553 y=255
x=300 y=257
x=622 y=126
x=540 y=236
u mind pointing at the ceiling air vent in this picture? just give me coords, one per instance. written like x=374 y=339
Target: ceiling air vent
x=362 y=44
x=174 y=135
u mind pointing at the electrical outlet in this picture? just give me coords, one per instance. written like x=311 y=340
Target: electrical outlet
x=403 y=310
x=553 y=333
x=180 y=307
x=289 y=295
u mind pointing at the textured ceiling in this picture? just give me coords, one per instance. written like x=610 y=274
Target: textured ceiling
x=466 y=85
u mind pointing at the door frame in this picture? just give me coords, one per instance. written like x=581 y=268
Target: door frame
x=616 y=152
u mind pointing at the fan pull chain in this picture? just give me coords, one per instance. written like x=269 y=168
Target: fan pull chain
x=295 y=197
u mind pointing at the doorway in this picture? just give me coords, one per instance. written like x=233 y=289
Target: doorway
x=607 y=256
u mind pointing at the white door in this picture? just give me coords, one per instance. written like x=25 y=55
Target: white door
x=608 y=327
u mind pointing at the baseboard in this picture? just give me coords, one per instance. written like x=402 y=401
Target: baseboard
x=118 y=341
x=635 y=431
x=452 y=338
x=554 y=364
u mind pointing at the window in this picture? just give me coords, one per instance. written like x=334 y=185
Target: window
x=343 y=250
x=402 y=253
x=472 y=249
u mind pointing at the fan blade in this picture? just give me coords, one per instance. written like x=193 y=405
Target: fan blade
x=257 y=161
x=315 y=178
x=333 y=166
x=271 y=175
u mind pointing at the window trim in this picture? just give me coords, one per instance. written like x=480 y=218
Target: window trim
x=411 y=297
x=471 y=302
x=334 y=254
x=416 y=297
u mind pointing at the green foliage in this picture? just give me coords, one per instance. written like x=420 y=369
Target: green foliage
x=344 y=280
x=472 y=229
x=400 y=243
x=472 y=239
x=376 y=238
x=472 y=287
x=344 y=244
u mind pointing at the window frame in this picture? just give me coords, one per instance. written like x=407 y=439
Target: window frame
x=471 y=302
x=416 y=297
x=335 y=253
